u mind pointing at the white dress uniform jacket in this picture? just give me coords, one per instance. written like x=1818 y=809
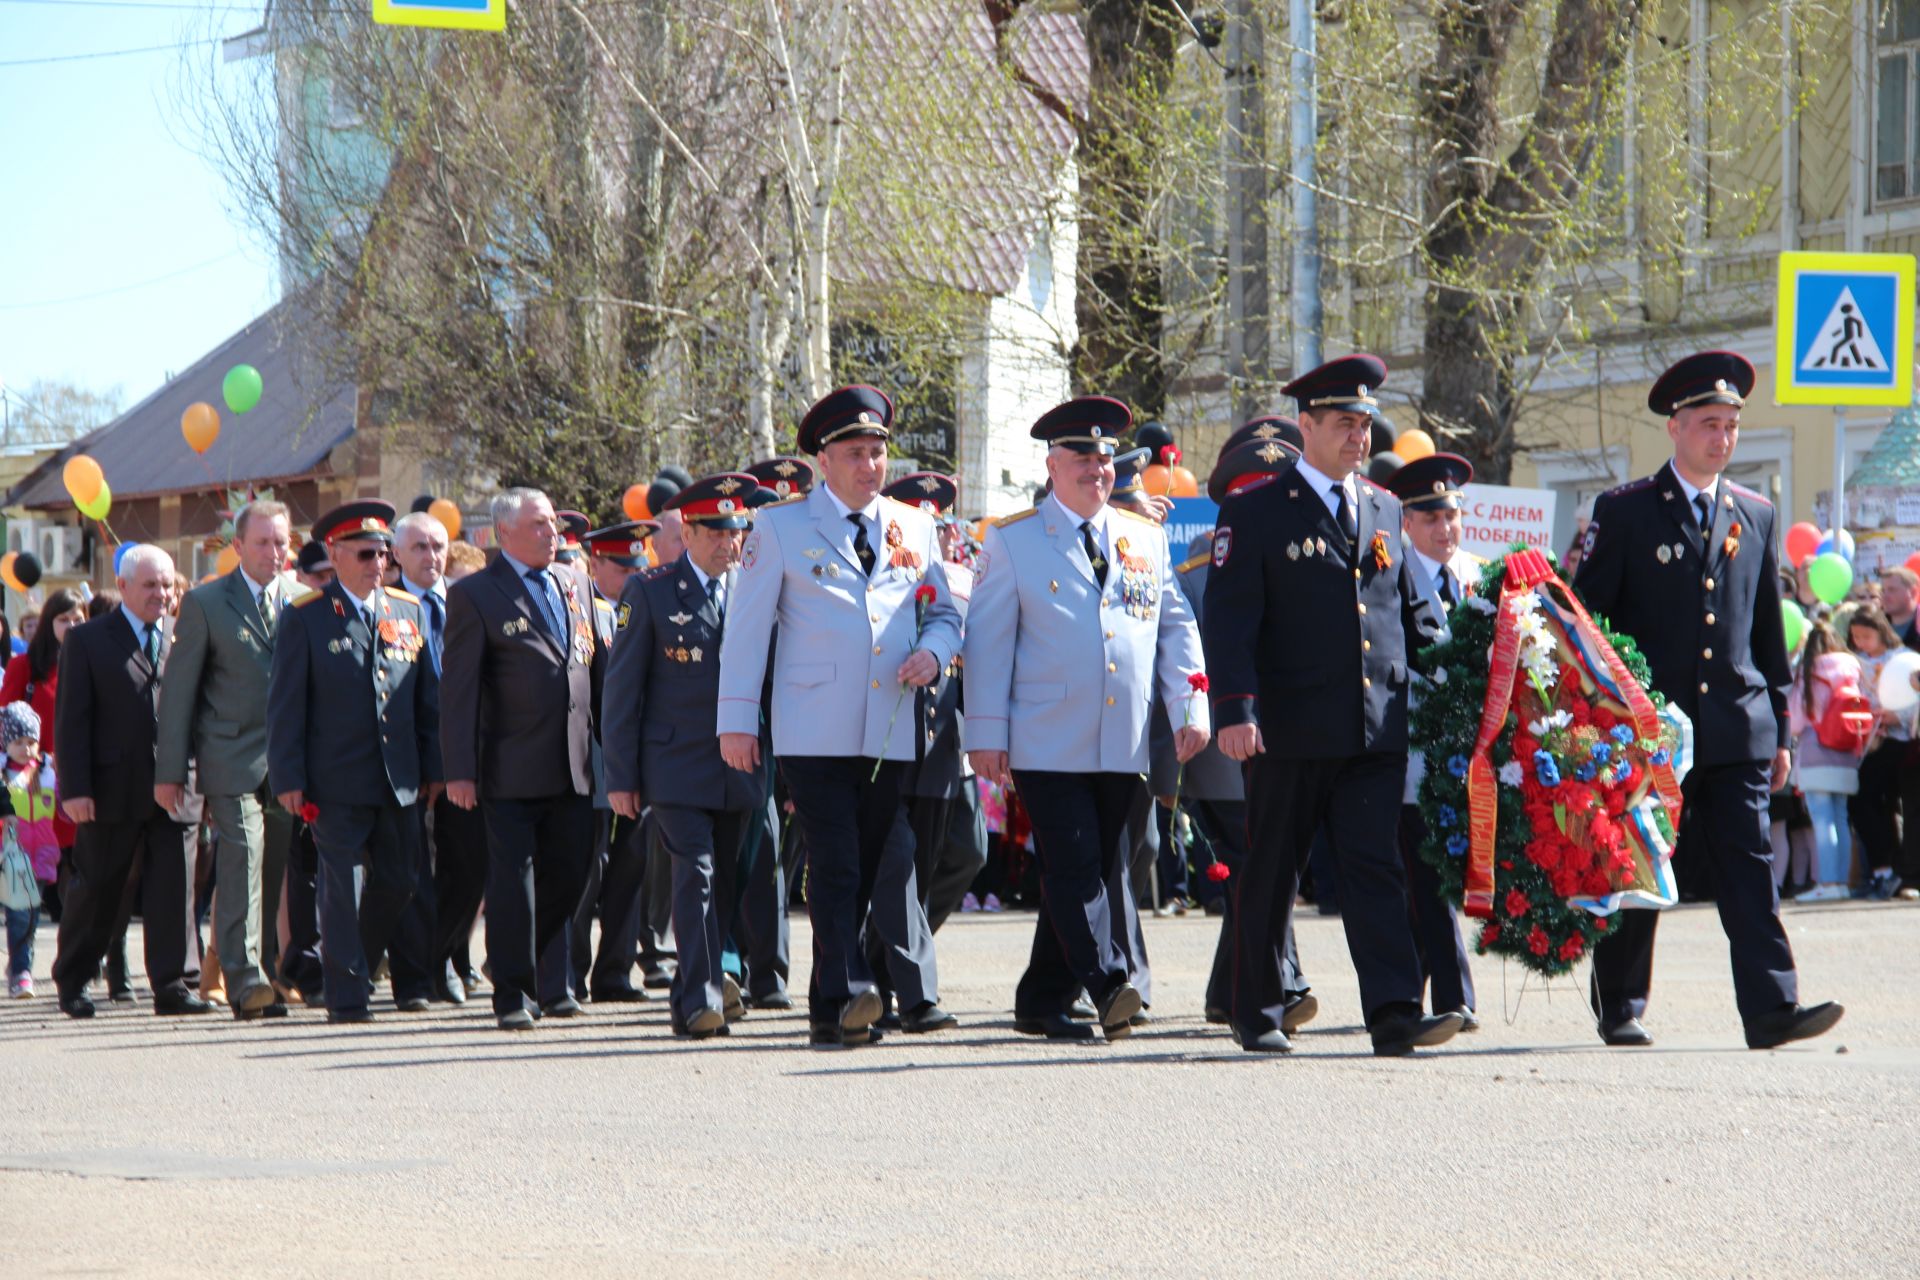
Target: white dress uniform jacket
x=842 y=636
x=1060 y=671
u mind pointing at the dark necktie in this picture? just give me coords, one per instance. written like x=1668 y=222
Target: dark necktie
x=1704 y=506
x=542 y=593
x=1094 y=558
x=264 y=602
x=1446 y=588
x=719 y=605
x=1344 y=513
x=434 y=622
x=150 y=645
x=862 y=549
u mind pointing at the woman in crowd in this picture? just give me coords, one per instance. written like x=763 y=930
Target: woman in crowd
x=32 y=677
x=1876 y=805
x=1826 y=776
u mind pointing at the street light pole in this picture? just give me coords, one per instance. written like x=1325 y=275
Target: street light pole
x=1304 y=137
x=1248 y=363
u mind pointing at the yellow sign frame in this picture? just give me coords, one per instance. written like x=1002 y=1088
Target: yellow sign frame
x=1796 y=264
x=426 y=13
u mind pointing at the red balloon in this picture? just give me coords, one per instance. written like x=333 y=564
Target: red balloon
x=1913 y=562
x=1803 y=540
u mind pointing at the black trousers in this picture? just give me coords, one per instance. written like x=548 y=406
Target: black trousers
x=459 y=883
x=1082 y=840
x=760 y=924
x=1357 y=799
x=410 y=955
x=537 y=854
x=1436 y=925
x=1875 y=808
x=705 y=847
x=1723 y=824
x=621 y=880
x=300 y=964
x=1223 y=823
x=94 y=904
x=369 y=858
x=846 y=810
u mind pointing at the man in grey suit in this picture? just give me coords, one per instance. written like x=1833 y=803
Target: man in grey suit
x=663 y=685
x=855 y=582
x=213 y=710
x=1075 y=619
x=520 y=679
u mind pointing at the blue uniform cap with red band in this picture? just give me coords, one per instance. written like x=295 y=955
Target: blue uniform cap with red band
x=1251 y=459
x=1707 y=377
x=624 y=543
x=368 y=518
x=717 y=501
x=930 y=491
x=785 y=476
x=1128 y=467
x=1432 y=483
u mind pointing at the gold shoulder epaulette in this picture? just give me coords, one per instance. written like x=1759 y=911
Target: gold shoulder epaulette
x=785 y=501
x=398 y=594
x=1134 y=515
x=1194 y=562
x=601 y=602
x=301 y=602
x=1015 y=518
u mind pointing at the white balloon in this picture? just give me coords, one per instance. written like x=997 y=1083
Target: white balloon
x=1897 y=693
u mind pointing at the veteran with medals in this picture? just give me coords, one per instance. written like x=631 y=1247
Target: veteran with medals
x=1075 y=621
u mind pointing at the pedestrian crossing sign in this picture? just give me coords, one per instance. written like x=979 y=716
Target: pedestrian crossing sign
x=457 y=15
x=1843 y=329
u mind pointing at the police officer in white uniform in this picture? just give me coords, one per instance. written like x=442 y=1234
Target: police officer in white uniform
x=840 y=571
x=1075 y=615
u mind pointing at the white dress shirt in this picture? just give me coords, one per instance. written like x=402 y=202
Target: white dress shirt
x=1321 y=483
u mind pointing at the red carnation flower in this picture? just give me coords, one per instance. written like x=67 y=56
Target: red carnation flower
x=1573 y=948
x=1198 y=682
x=309 y=811
x=1218 y=871
x=1517 y=903
x=1490 y=934
x=1538 y=942
x=1566 y=883
x=923 y=594
x=1597 y=884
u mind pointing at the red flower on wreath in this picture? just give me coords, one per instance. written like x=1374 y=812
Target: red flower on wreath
x=1573 y=948
x=1517 y=903
x=1490 y=934
x=1538 y=942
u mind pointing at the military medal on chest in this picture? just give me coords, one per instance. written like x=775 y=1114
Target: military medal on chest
x=1139 y=594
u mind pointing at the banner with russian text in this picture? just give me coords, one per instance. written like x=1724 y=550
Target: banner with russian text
x=1498 y=515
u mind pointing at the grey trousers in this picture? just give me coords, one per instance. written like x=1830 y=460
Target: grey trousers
x=250 y=861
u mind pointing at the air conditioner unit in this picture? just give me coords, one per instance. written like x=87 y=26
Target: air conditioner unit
x=59 y=549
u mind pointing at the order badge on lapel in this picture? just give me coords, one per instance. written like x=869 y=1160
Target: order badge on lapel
x=583 y=642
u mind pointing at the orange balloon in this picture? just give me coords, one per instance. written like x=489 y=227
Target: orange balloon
x=447 y=512
x=634 y=502
x=1157 y=480
x=227 y=561
x=1414 y=444
x=200 y=424
x=1184 y=485
x=83 y=478
x=6 y=572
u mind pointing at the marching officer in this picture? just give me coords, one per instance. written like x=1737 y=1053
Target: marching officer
x=1075 y=619
x=571 y=527
x=787 y=477
x=353 y=730
x=856 y=584
x=1683 y=561
x=661 y=700
x=1310 y=622
x=1431 y=502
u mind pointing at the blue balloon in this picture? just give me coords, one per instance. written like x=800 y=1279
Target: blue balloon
x=1837 y=540
x=120 y=553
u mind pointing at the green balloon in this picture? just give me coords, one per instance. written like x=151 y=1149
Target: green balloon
x=242 y=388
x=1830 y=576
x=1795 y=623
x=101 y=504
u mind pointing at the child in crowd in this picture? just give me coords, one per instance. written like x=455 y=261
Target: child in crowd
x=1827 y=776
x=29 y=785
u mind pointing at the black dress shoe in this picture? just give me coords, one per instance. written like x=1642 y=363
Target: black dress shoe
x=474 y=983
x=77 y=1005
x=566 y=1007
x=1218 y=1017
x=278 y=1009
x=178 y=1006
x=924 y=1017
x=619 y=995
x=411 y=1004
x=1117 y=1008
x=1469 y=1021
x=1396 y=1035
x=518 y=1020
x=771 y=1000
x=706 y=1022
x=1054 y=1026
x=122 y=995
x=1626 y=1035
x=730 y=1002
x=453 y=992
x=1300 y=1010
x=828 y=1035
x=1792 y=1022
x=1264 y=1042
x=859 y=1013
x=1082 y=1008
x=348 y=1017
x=657 y=979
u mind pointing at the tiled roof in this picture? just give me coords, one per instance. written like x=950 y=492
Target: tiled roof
x=1894 y=460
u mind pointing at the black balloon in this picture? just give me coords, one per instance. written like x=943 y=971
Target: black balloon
x=1381 y=466
x=1383 y=435
x=422 y=502
x=659 y=491
x=26 y=567
x=673 y=471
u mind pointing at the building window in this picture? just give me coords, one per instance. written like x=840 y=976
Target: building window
x=1896 y=132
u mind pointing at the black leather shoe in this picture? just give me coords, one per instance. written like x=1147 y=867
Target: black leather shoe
x=657 y=979
x=731 y=1005
x=926 y=1016
x=1117 y=1008
x=77 y=1005
x=452 y=991
x=1626 y=1035
x=1265 y=1042
x=412 y=1004
x=859 y=1014
x=828 y=1035
x=171 y=1006
x=619 y=995
x=518 y=1020
x=1300 y=1010
x=1054 y=1026
x=1792 y=1022
x=1469 y=1020
x=278 y=1009
x=474 y=983
x=339 y=1017
x=771 y=1000
x=1396 y=1035
x=1218 y=1017
x=706 y=1023
x=1082 y=1008
x=566 y=1007
x=122 y=995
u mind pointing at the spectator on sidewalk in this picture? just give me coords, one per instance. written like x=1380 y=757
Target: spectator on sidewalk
x=1827 y=776
x=1875 y=807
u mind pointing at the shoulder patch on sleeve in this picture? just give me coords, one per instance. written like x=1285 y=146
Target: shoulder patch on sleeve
x=1194 y=562
x=620 y=619
x=301 y=602
x=1015 y=518
x=1222 y=547
x=785 y=502
x=398 y=594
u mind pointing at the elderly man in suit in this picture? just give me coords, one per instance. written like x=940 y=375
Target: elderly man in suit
x=353 y=742
x=106 y=724
x=520 y=678
x=856 y=584
x=213 y=710
x=663 y=687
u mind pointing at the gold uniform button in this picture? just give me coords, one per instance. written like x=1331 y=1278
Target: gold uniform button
x=876 y=684
x=1366 y=683
x=1356 y=575
x=1706 y=653
x=1708 y=584
x=1363 y=610
x=1109 y=699
x=1709 y=619
x=1366 y=646
x=1109 y=635
x=874 y=617
x=1703 y=686
x=876 y=648
x=1112 y=667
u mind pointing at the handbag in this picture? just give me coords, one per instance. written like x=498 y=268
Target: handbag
x=19 y=891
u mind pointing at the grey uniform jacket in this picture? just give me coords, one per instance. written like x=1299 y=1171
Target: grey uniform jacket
x=843 y=636
x=213 y=704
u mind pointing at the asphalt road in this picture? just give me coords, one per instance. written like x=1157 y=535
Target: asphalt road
x=435 y=1145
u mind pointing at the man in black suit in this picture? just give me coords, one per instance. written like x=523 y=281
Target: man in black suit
x=352 y=742
x=1310 y=621
x=106 y=722
x=662 y=698
x=1683 y=561
x=521 y=673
